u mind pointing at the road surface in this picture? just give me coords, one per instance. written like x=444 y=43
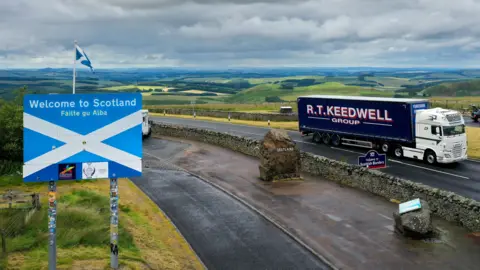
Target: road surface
x=462 y=178
x=223 y=232
x=469 y=122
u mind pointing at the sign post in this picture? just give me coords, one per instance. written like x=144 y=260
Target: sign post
x=52 y=225
x=82 y=136
x=114 y=223
x=373 y=160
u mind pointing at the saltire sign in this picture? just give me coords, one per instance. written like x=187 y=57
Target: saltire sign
x=82 y=136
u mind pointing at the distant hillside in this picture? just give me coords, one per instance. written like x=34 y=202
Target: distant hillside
x=278 y=92
x=458 y=89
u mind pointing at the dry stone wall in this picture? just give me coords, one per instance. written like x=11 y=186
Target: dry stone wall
x=447 y=205
x=233 y=115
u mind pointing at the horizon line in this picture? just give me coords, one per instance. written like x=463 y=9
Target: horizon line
x=246 y=67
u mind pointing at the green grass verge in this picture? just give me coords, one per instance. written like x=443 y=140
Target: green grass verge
x=83 y=220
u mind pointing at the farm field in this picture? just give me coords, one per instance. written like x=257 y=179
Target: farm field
x=251 y=86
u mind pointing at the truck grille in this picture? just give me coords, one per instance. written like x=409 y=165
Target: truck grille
x=457 y=150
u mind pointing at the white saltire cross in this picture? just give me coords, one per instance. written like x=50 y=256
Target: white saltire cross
x=75 y=143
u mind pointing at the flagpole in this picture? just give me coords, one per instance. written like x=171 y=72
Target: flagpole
x=74 y=64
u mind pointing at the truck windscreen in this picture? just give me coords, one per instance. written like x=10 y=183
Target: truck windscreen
x=453 y=130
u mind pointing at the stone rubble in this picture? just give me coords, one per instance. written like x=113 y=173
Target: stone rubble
x=279 y=157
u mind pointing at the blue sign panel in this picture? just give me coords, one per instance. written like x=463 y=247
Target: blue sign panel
x=82 y=136
x=373 y=160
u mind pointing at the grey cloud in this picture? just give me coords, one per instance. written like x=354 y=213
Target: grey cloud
x=230 y=32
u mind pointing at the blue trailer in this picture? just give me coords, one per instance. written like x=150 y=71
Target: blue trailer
x=388 y=124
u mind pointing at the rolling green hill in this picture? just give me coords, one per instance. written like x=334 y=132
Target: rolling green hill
x=459 y=89
x=276 y=92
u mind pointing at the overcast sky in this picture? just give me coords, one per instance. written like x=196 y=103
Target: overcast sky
x=229 y=33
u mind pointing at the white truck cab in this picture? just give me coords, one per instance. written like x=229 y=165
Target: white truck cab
x=146 y=125
x=440 y=137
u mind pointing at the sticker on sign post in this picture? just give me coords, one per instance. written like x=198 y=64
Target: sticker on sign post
x=373 y=160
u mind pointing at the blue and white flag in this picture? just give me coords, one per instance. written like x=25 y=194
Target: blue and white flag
x=82 y=56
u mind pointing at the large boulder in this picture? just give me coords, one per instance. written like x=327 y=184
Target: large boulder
x=415 y=224
x=279 y=157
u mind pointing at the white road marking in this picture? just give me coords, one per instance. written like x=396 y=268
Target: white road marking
x=390 y=227
x=385 y=216
x=428 y=169
x=304 y=142
x=473 y=160
x=334 y=218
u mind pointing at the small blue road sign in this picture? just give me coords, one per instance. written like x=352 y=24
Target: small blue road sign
x=82 y=136
x=373 y=160
x=409 y=206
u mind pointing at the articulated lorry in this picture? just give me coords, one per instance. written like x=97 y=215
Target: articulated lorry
x=398 y=126
x=146 y=124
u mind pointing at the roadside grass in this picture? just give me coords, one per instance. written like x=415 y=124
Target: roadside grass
x=455 y=102
x=473 y=134
x=147 y=238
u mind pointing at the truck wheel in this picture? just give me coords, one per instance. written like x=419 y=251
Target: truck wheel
x=326 y=138
x=317 y=137
x=385 y=147
x=336 y=140
x=430 y=157
x=398 y=151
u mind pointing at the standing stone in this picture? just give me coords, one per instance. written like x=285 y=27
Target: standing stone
x=279 y=157
x=416 y=224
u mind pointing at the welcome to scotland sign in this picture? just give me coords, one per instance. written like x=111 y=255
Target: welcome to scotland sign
x=82 y=136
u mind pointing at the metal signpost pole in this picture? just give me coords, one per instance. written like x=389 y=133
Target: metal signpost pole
x=114 y=223
x=74 y=65
x=52 y=225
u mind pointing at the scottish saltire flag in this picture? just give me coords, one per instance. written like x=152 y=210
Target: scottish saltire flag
x=82 y=56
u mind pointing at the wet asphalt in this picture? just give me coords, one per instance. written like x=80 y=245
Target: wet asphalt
x=223 y=232
x=462 y=178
